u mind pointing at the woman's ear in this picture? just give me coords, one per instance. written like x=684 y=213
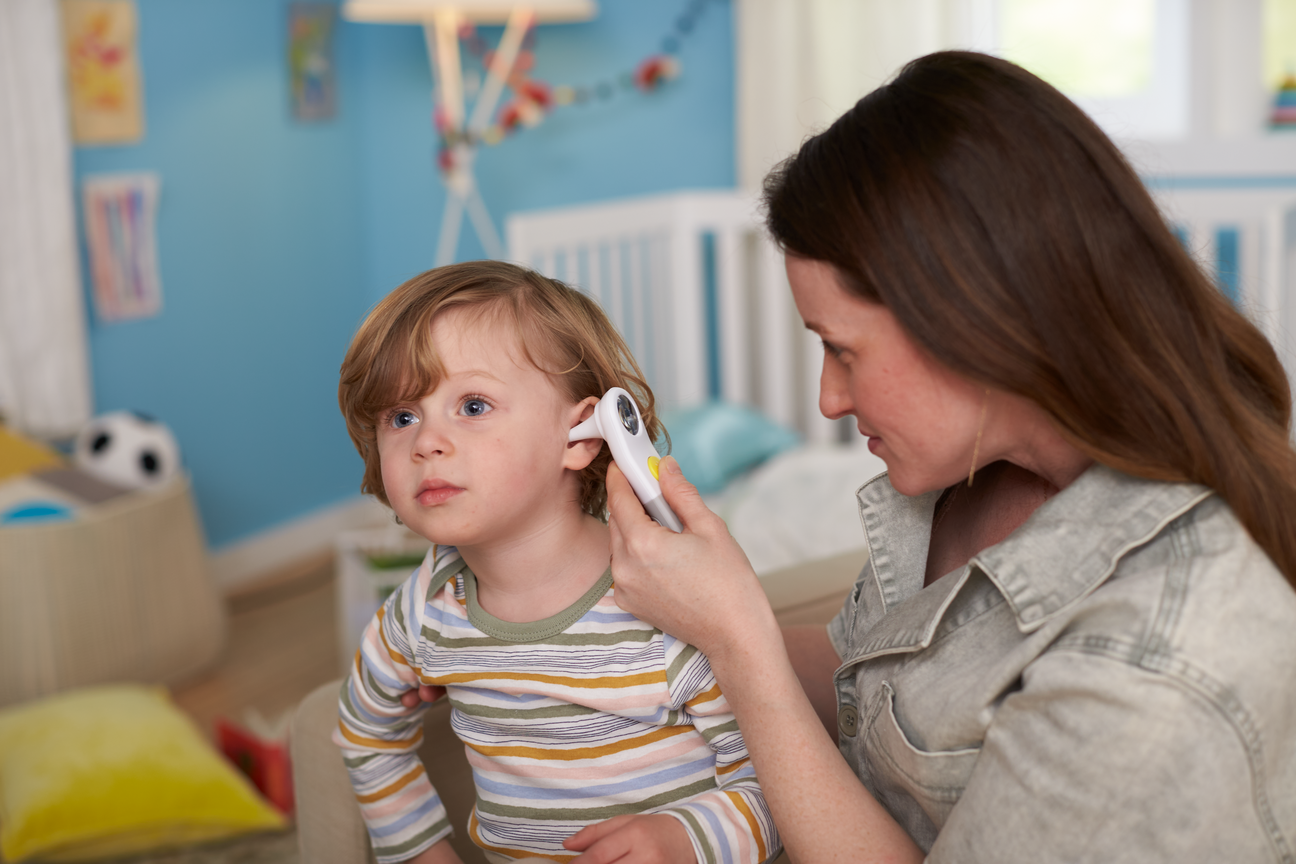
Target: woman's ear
x=582 y=453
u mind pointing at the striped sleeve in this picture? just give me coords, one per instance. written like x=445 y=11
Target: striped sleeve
x=379 y=736
x=732 y=822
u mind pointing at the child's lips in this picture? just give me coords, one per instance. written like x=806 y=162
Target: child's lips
x=436 y=492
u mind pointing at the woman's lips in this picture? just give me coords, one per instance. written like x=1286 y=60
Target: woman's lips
x=436 y=493
x=874 y=443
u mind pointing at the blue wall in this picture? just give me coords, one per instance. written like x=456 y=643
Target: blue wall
x=678 y=137
x=275 y=236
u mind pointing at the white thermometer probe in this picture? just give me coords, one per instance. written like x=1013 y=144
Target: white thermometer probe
x=616 y=420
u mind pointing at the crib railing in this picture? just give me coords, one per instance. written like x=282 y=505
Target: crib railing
x=1243 y=233
x=698 y=292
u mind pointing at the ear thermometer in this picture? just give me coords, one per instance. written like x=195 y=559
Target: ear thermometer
x=616 y=420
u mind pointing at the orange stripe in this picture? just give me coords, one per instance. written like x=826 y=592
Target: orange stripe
x=704 y=697
x=729 y=769
x=604 y=683
x=741 y=804
x=379 y=743
x=395 y=655
x=475 y=834
x=585 y=752
x=401 y=783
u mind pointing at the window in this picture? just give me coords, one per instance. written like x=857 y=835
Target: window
x=1123 y=61
x=1279 y=42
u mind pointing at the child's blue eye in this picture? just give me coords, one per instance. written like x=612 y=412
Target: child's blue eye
x=401 y=419
x=474 y=407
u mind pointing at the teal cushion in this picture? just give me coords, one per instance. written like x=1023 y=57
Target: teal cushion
x=716 y=442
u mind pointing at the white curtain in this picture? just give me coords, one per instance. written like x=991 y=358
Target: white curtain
x=801 y=63
x=44 y=372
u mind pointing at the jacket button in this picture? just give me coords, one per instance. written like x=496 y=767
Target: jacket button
x=848 y=721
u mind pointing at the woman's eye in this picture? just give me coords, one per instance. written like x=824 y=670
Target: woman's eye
x=474 y=407
x=831 y=349
x=401 y=419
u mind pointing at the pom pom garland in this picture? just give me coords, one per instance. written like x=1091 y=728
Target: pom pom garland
x=533 y=99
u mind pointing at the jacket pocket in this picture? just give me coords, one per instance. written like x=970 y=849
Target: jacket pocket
x=919 y=787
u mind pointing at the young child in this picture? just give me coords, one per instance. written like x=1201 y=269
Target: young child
x=459 y=391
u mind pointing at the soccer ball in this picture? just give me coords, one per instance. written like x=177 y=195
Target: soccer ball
x=127 y=449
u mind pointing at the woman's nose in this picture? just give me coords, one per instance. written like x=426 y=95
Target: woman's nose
x=834 y=394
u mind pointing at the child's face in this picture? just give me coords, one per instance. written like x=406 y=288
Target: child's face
x=484 y=457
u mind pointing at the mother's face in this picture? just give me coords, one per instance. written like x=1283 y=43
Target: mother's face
x=920 y=417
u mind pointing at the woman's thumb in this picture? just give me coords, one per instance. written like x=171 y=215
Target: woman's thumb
x=682 y=496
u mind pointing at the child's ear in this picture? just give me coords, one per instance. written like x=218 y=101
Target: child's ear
x=582 y=453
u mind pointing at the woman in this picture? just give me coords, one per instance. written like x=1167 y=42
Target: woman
x=1076 y=633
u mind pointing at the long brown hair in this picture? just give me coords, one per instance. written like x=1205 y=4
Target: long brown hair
x=562 y=332
x=1016 y=245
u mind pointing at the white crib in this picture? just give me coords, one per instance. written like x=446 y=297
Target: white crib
x=698 y=291
x=1244 y=234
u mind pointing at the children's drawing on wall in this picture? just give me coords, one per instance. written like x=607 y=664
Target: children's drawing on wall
x=310 y=60
x=120 y=219
x=105 y=91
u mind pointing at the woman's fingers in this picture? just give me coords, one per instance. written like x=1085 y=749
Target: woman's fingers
x=676 y=581
x=683 y=497
x=623 y=507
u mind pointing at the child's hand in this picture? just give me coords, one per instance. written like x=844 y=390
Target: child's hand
x=425 y=693
x=654 y=839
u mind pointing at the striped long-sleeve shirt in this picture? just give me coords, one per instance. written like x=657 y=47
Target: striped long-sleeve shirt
x=567 y=721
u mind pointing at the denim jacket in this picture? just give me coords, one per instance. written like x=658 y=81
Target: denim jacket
x=1115 y=681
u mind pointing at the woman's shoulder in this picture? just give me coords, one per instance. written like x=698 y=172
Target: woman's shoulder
x=1201 y=604
x=1162 y=574
x=1205 y=557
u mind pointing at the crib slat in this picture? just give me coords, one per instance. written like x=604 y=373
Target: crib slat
x=734 y=355
x=778 y=329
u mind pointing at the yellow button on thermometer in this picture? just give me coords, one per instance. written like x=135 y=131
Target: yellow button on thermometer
x=652 y=466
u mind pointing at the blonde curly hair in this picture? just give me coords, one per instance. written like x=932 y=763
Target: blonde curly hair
x=562 y=332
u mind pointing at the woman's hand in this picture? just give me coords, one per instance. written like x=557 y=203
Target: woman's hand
x=677 y=582
x=698 y=586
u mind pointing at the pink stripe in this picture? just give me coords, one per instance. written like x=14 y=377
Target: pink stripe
x=408 y=798
x=639 y=700
x=742 y=830
x=644 y=757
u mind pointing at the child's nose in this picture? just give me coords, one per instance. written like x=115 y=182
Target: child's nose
x=431 y=440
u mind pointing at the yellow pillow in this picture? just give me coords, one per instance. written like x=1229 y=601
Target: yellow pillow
x=115 y=770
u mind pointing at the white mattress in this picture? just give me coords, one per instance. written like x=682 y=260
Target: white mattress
x=798 y=506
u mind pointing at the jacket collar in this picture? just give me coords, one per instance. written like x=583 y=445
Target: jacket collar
x=1066 y=549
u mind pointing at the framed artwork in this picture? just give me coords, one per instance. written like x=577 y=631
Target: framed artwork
x=105 y=90
x=310 y=60
x=120 y=228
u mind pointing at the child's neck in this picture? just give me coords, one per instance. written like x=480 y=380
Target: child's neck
x=533 y=577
